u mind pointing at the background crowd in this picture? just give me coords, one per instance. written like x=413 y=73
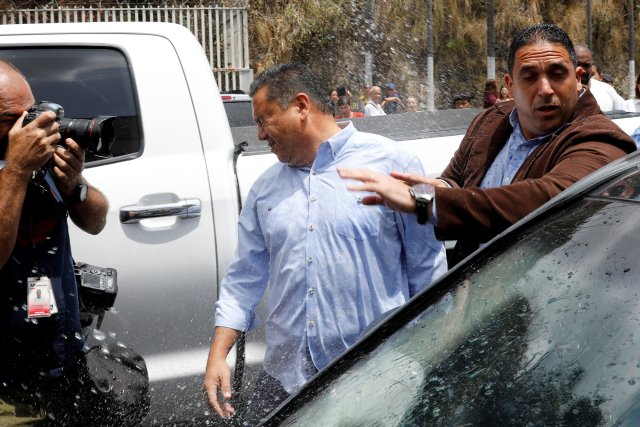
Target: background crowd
x=386 y=99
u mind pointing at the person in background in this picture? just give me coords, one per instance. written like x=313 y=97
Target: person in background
x=634 y=104
x=490 y=93
x=391 y=103
x=608 y=79
x=356 y=104
x=504 y=94
x=516 y=155
x=327 y=265
x=333 y=102
x=462 y=100
x=364 y=96
x=373 y=107
x=606 y=96
x=412 y=105
x=595 y=72
x=344 y=104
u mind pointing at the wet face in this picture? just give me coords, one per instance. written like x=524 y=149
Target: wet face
x=544 y=85
x=334 y=96
x=15 y=98
x=280 y=128
x=504 y=93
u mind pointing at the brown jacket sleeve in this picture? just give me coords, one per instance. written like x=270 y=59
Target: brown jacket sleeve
x=476 y=214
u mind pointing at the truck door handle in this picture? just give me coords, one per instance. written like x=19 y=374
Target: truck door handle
x=185 y=208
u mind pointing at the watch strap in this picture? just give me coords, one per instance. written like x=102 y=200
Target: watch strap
x=422 y=211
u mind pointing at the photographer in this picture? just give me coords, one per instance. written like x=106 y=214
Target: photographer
x=41 y=183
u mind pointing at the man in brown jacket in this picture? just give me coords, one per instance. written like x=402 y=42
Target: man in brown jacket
x=516 y=155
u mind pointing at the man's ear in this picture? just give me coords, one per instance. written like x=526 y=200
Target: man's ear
x=303 y=104
x=579 y=71
x=508 y=81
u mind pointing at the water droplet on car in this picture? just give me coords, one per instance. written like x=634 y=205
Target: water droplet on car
x=99 y=335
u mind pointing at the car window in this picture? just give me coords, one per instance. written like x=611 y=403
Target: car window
x=239 y=113
x=87 y=83
x=540 y=332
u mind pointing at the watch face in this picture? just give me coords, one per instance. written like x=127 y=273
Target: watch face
x=424 y=191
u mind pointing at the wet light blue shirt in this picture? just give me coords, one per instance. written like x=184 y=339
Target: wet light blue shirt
x=327 y=264
x=512 y=156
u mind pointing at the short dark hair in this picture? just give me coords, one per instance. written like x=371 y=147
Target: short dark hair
x=540 y=33
x=343 y=100
x=285 y=81
x=462 y=96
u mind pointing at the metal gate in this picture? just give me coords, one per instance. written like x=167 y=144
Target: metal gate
x=222 y=31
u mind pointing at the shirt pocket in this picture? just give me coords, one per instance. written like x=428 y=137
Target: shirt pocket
x=356 y=221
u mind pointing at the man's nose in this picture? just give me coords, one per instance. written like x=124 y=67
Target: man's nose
x=545 y=87
x=262 y=135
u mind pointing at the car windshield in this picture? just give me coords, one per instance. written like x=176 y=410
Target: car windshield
x=539 y=332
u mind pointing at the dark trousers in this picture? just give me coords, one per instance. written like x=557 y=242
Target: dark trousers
x=266 y=395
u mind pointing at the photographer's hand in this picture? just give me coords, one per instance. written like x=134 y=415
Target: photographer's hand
x=91 y=214
x=27 y=149
x=68 y=164
x=31 y=146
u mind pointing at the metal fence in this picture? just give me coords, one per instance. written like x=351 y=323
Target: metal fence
x=222 y=31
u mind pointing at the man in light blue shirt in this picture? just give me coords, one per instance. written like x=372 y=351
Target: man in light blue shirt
x=328 y=264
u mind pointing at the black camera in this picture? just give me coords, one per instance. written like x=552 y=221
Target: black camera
x=97 y=286
x=96 y=135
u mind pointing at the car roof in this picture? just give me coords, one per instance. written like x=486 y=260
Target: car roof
x=235 y=96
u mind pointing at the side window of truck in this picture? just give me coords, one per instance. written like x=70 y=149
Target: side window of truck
x=87 y=83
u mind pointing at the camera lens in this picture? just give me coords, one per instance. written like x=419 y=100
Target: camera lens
x=96 y=135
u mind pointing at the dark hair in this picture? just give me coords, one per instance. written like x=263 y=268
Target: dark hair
x=490 y=87
x=343 y=100
x=342 y=90
x=462 y=96
x=540 y=33
x=285 y=81
x=637 y=91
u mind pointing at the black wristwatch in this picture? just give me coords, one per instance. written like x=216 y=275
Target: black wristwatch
x=80 y=193
x=423 y=194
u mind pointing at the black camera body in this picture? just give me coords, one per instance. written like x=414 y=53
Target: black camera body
x=96 y=135
x=97 y=286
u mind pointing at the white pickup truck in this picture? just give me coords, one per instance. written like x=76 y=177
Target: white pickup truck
x=174 y=183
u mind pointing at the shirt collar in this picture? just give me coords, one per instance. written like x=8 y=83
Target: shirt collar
x=337 y=141
x=330 y=149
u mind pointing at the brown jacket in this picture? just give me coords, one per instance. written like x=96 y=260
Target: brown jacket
x=473 y=215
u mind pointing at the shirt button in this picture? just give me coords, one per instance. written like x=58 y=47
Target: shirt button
x=311 y=291
x=311 y=228
x=313 y=198
x=506 y=180
x=313 y=172
x=312 y=323
x=309 y=260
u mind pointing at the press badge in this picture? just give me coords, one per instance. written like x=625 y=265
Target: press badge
x=40 y=299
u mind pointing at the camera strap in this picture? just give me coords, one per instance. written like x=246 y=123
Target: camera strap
x=52 y=186
x=44 y=179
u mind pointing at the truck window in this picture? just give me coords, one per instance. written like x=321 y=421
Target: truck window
x=87 y=83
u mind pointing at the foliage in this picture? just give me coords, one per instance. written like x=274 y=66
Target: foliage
x=330 y=36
